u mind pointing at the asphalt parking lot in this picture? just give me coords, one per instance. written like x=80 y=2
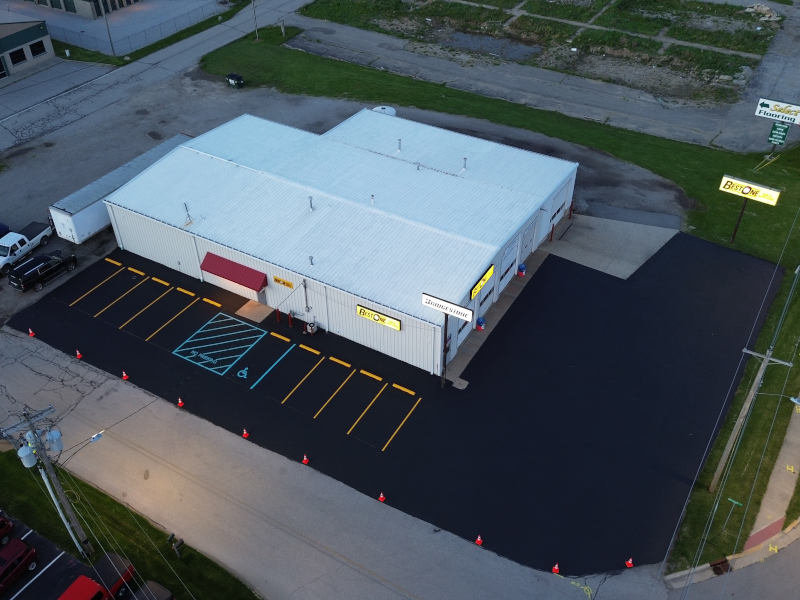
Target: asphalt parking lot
x=576 y=441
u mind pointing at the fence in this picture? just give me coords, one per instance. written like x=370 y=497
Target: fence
x=140 y=39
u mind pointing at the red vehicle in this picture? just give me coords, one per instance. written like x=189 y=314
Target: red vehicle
x=16 y=558
x=84 y=588
x=115 y=574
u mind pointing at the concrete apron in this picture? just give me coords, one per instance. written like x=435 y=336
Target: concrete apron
x=617 y=248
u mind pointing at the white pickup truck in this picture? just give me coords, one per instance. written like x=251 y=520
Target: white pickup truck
x=13 y=245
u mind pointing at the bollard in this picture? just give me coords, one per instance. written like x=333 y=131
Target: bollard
x=177 y=545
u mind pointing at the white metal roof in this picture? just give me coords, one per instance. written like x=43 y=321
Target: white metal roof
x=99 y=188
x=381 y=228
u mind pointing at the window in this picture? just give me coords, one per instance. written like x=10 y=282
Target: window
x=56 y=3
x=37 y=48
x=2 y=68
x=69 y=5
x=17 y=56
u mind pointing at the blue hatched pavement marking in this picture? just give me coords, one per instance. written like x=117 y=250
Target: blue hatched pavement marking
x=197 y=350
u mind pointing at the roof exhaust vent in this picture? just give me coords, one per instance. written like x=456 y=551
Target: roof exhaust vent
x=465 y=164
x=417 y=166
x=372 y=199
x=399 y=144
x=311 y=260
x=311 y=203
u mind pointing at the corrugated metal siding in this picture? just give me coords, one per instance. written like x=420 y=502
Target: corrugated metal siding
x=156 y=241
x=414 y=343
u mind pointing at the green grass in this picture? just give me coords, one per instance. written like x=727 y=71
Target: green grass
x=540 y=31
x=696 y=169
x=564 y=10
x=599 y=41
x=701 y=60
x=743 y=40
x=81 y=54
x=119 y=530
x=357 y=13
x=626 y=15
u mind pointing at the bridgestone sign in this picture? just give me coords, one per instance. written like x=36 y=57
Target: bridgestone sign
x=447 y=307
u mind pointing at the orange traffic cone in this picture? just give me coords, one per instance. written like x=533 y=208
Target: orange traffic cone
x=382 y=498
x=124 y=376
x=479 y=541
x=555 y=569
x=30 y=332
x=629 y=562
x=245 y=435
x=78 y=354
x=180 y=402
x=305 y=459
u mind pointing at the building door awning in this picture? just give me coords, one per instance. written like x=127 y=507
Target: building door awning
x=233 y=271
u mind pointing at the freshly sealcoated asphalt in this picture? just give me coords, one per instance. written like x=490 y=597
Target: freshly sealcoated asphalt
x=576 y=441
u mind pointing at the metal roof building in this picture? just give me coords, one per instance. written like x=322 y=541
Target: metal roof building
x=348 y=229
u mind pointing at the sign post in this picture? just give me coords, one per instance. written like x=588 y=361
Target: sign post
x=748 y=190
x=448 y=308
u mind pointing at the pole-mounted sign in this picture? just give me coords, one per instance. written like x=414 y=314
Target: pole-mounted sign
x=749 y=191
x=778 y=111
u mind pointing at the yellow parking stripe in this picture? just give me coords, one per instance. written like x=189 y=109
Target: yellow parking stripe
x=403 y=389
x=321 y=408
x=147 y=339
x=217 y=304
x=187 y=292
x=117 y=272
x=97 y=314
x=368 y=374
x=341 y=362
x=279 y=336
x=304 y=347
x=302 y=380
x=161 y=281
x=353 y=426
x=113 y=262
x=137 y=271
x=403 y=422
x=145 y=308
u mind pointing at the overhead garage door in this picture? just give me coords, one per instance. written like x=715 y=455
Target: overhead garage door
x=232 y=276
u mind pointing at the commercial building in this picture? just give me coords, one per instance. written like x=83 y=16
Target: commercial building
x=90 y=9
x=24 y=43
x=350 y=228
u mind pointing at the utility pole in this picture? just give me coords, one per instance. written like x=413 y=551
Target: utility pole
x=255 y=25
x=108 y=30
x=766 y=359
x=62 y=504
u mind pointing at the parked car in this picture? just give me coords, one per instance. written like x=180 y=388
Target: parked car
x=14 y=246
x=6 y=525
x=16 y=558
x=35 y=272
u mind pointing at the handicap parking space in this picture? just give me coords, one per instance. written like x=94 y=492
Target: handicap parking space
x=560 y=395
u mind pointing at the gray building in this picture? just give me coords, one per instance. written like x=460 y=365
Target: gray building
x=24 y=43
x=91 y=9
x=350 y=228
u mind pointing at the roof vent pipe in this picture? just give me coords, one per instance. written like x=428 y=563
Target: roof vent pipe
x=372 y=199
x=399 y=144
x=310 y=203
x=417 y=166
x=311 y=260
x=465 y=163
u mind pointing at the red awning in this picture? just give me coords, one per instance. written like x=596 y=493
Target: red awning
x=232 y=271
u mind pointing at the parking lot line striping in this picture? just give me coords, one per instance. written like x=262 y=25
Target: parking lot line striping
x=187 y=292
x=121 y=297
x=212 y=303
x=137 y=271
x=279 y=336
x=115 y=273
x=113 y=262
x=353 y=426
x=304 y=347
x=42 y=570
x=146 y=307
x=161 y=281
x=403 y=389
x=341 y=362
x=403 y=422
x=272 y=366
x=321 y=408
x=27 y=533
x=294 y=389
x=147 y=339
x=368 y=374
